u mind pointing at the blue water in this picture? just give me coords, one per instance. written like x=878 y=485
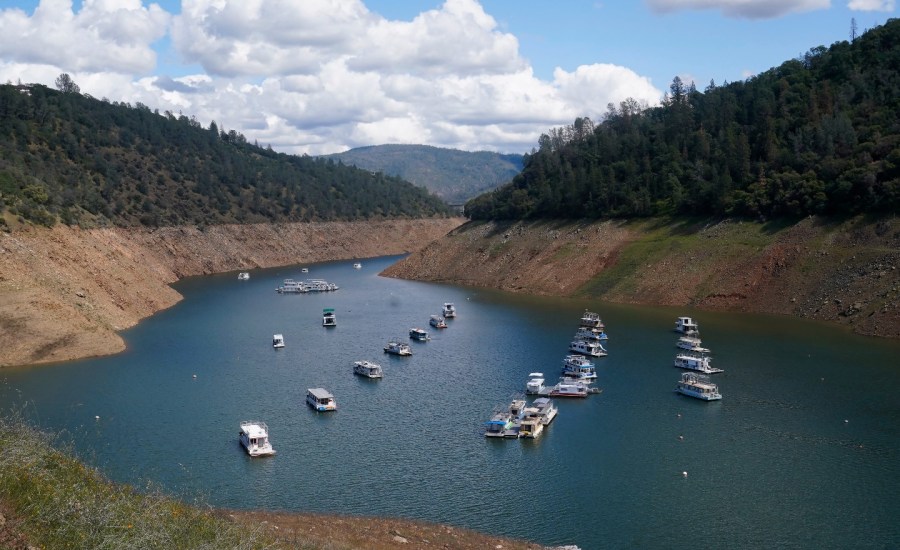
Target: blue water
x=803 y=451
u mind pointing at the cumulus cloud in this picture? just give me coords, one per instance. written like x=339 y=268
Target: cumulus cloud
x=748 y=9
x=105 y=35
x=871 y=5
x=321 y=76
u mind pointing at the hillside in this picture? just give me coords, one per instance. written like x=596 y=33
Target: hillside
x=817 y=135
x=845 y=272
x=69 y=157
x=65 y=292
x=455 y=176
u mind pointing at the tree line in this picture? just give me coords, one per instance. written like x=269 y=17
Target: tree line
x=65 y=156
x=819 y=134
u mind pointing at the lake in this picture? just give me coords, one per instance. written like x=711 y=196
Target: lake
x=803 y=450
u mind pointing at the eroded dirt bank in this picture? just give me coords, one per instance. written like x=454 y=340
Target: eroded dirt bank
x=65 y=292
x=846 y=272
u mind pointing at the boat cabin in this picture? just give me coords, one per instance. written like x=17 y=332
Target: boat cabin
x=277 y=341
x=328 y=319
x=686 y=325
x=320 y=399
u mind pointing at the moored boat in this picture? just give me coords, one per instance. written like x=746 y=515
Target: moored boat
x=396 y=347
x=320 y=400
x=418 y=334
x=578 y=367
x=546 y=409
x=591 y=320
x=357 y=265
x=437 y=322
x=588 y=347
x=243 y=276
x=699 y=386
x=368 y=369
x=254 y=437
x=688 y=326
x=531 y=426
x=691 y=343
x=695 y=361
x=328 y=319
x=277 y=341
x=588 y=333
x=449 y=310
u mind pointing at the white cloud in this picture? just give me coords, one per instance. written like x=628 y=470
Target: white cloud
x=749 y=9
x=320 y=76
x=105 y=35
x=871 y=5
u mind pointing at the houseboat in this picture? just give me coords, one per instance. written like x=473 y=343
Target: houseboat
x=546 y=409
x=531 y=426
x=691 y=343
x=290 y=286
x=587 y=333
x=564 y=388
x=328 y=319
x=320 y=400
x=419 y=334
x=695 y=361
x=588 y=347
x=437 y=322
x=254 y=437
x=687 y=326
x=449 y=310
x=277 y=341
x=578 y=367
x=396 y=347
x=243 y=276
x=368 y=369
x=699 y=386
x=591 y=320
x=357 y=265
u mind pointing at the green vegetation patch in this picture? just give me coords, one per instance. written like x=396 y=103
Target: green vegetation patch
x=64 y=504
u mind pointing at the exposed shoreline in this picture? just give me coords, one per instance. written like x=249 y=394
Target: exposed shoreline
x=65 y=292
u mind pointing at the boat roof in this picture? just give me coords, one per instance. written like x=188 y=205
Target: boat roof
x=532 y=374
x=255 y=429
x=320 y=393
x=278 y=336
x=328 y=310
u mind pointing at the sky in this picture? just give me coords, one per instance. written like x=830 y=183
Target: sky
x=323 y=76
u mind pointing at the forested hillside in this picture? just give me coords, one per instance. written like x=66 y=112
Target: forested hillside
x=69 y=157
x=817 y=135
x=454 y=175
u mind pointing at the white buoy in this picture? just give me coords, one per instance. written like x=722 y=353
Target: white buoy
x=97 y=417
x=680 y=438
x=683 y=474
x=195 y=376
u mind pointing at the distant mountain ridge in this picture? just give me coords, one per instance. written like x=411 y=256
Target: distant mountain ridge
x=454 y=175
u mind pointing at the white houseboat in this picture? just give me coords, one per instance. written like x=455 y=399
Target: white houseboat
x=437 y=322
x=357 y=265
x=699 y=386
x=396 y=347
x=546 y=408
x=320 y=400
x=328 y=319
x=591 y=320
x=688 y=326
x=449 y=310
x=579 y=367
x=531 y=425
x=691 y=343
x=419 y=334
x=587 y=333
x=588 y=347
x=277 y=341
x=368 y=369
x=695 y=361
x=254 y=437
x=563 y=388
x=243 y=276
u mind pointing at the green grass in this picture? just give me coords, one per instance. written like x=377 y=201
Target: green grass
x=63 y=504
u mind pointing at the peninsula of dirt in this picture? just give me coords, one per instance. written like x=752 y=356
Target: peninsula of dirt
x=844 y=272
x=65 y=292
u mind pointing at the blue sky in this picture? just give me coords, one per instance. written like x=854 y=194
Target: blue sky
x=319 y=76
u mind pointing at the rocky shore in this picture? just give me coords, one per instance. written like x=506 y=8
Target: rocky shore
x=65 y=292
x=845 y=272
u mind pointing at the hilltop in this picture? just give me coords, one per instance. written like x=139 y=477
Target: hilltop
x=455 y=176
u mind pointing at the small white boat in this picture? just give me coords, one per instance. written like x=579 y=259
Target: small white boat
x=357 y=265
x=243 y=276
x=535 y=383
x=304 y=270
x=328 y=319
x=591 y=320
x=449 y=310
x=437 y=322
x=688 y=326
x=320 y=399
x=546 y=409
x=588 y=347
x=588 y=333
x=695 y=361
x=396 y=347
x=277 y=341
x=699 y=386
x=579 y=367
x=368 y=369
x=254 y=437
x=419 y=334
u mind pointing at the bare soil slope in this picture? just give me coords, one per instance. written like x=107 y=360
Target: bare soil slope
x=65 y=292
x=844 y=272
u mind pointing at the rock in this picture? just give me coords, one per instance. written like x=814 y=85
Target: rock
x=401 y=540
x=2 y=520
